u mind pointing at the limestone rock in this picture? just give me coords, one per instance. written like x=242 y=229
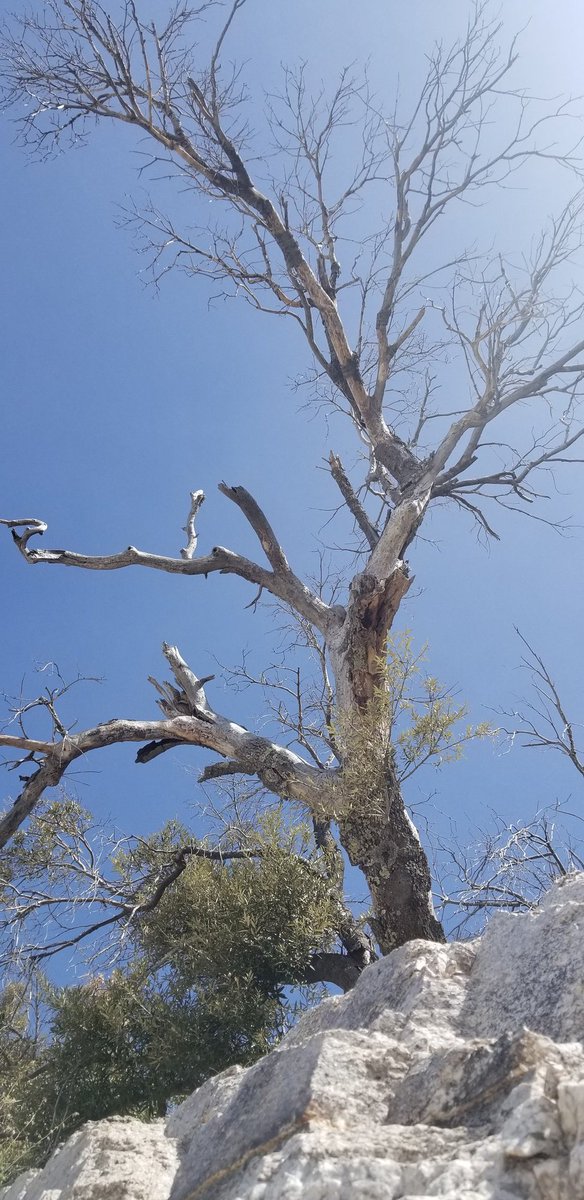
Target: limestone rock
x=114 y=1159
x=450 y=1071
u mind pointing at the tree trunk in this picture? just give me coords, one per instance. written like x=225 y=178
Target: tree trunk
x=386 y=847
x=375 y=829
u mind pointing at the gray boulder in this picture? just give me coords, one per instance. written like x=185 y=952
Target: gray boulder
x=450 y=1071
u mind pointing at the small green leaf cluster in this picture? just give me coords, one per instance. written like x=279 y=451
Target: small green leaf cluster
x=410 y=720
x=362 y=736
x=426 y=720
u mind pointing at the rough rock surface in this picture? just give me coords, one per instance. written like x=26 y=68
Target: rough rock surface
x=453 y=1071
x=117 y=1159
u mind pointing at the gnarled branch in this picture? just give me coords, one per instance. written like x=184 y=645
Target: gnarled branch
x=280 y=770
x=281 y=582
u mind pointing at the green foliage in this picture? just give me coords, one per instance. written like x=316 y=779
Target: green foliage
x=120 y=1045
x=43 y=849
x=363 y=740
x=411 y=718
x=18 y=1060
x=201 y=989
x=259 y=918
x=426 y=723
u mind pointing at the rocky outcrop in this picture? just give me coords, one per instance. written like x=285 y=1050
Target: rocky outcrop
x=450 y=1070
x=117 y=1159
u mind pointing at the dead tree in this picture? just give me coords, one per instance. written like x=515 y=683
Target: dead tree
x=284 y=243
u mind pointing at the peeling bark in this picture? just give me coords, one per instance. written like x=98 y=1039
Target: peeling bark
x=375 y=829
x=280 y=770
x=387 y=849
x=371 y=613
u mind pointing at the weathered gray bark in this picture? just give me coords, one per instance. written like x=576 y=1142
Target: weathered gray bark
x=281 y=771
x=376 y=831
x=387 y=849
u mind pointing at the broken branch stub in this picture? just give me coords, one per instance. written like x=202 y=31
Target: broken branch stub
x=197 y=499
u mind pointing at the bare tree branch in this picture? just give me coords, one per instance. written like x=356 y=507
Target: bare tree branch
x=280 y=770
x=545 y=724
x=197 y=499
x=508 y=871
x=281 y=582
x=352 y=500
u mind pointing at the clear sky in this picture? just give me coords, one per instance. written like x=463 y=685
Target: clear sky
x=117 y=401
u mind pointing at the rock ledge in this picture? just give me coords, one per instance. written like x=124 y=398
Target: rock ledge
x=454 y=1071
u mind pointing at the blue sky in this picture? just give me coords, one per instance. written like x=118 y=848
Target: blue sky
x=118 y=400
